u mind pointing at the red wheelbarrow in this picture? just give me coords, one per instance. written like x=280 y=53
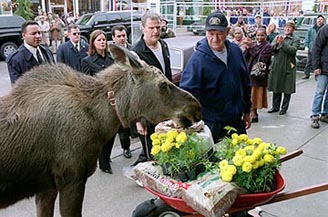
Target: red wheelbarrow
x=178 y=207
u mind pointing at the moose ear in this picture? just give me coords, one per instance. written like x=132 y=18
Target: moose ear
x=124 y=56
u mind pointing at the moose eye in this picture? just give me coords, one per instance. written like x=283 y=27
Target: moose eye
x=163 y=85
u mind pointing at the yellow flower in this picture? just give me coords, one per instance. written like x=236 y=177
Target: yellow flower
x=155 y=150
x=166 y=147
x=243 y=137
x=172 y=133
x=257 y=140
x=177 y=145
x=237 y=160
x=231 y=169
x=226 y=176
x=169 y=138
x=162 y=136
x=257 y=153
x=264 y=145
x=181 y=137
x=247 y=167
x=223 y=164
x=268 y=158
x=235 y=141
x=241 y=152
x=256 y=165
x=249 y=148
x=250 y=142
x=234 y=136
x=154 y=136
x=281 y=150
x=249 y=159
x=156 y=142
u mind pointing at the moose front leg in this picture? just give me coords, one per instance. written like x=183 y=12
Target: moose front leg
x=45 y=203
x=71 y=199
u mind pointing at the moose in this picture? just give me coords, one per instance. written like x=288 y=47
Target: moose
x=55 y=120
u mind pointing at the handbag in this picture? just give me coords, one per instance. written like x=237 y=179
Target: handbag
x=259 y=68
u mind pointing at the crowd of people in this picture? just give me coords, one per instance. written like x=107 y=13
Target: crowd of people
x=230 y=71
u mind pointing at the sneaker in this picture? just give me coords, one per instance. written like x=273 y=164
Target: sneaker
x=315 y=122
x=324 y=118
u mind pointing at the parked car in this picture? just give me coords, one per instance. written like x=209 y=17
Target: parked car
x=10 y=34
x=106 y=20
x=197 y=28
x=181 y=49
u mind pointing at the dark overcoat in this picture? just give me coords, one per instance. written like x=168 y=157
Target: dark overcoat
x=22 y=60
x=69 y=55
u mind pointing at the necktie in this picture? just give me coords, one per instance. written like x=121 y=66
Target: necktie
x=38 y=54
x=77 y=47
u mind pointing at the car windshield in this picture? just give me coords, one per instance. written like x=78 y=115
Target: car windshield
x=84 y=19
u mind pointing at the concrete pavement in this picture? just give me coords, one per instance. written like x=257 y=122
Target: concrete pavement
x=117 y=196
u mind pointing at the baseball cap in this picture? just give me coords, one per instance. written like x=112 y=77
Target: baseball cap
x=320 y=15
x=216 y=21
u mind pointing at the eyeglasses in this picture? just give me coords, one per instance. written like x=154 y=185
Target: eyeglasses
x=76 y=33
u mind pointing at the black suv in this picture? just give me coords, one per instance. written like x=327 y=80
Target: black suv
x=10 y=34
x=106 y=20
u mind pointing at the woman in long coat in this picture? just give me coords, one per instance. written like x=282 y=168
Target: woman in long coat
x=282 y=79
x=261 y=50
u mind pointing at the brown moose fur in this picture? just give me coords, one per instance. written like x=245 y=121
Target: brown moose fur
x=54 y=121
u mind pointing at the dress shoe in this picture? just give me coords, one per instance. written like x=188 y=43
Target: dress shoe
x=306 y=77
x=282 y=112
x=272 y=110
x=127 y=153
x=255 y=119
x=108 y=169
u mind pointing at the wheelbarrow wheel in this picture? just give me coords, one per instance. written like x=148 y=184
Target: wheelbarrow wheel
x=155 y=208
x=169 y=214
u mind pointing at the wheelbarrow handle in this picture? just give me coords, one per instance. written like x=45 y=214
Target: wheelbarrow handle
x=291 y=155
x=286 y=196
x=299 y=193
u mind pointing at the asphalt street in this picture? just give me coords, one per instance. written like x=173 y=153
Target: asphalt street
x=117 y=196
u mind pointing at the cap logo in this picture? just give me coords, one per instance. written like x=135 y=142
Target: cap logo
x=214 y=21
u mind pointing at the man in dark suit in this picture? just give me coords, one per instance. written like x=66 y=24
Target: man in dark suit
x=31 y=53
x=154 y=51
x=72 y=51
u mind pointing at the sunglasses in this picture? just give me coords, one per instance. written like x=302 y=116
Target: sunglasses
x=76 y=33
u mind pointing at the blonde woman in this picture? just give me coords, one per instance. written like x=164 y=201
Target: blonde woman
x=272 y=32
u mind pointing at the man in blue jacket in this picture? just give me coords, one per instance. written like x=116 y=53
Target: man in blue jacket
x=73 y=51
x=30 y=54
x=217 y=76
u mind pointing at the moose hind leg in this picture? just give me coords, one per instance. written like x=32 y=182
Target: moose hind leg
x=45 y=203
x=71 y=199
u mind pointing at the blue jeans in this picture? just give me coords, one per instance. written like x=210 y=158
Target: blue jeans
x=320 y=101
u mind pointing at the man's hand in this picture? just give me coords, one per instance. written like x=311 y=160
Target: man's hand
x=141 y=129
x=317 y=71
x=247 y=120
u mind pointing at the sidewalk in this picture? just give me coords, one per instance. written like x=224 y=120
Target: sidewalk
x=117 y=196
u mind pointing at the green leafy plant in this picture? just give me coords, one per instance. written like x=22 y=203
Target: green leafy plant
x=178 y=152
x=23 y=9
x=250 y=163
